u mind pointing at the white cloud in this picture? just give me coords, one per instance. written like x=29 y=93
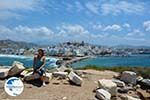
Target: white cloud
x=10 y=8
x=25 y=33
x=74 y=29
x=4 y=30
x=37 y=31
x=93 y=7
x=127 y=38
x=77 y=32
x=18 y=4
x=4 y=15
x=97 y=27
x=69 y=7
x=146 y=25
x=66 y=32
x=134 y=39
x=122 y=7
x=116 y=7
x=135 y=33
x=114 y=27
x=126 y=25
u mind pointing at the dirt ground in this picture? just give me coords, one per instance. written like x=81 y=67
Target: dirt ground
x=61 y=89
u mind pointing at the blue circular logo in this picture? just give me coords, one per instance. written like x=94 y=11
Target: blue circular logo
x=14 y=86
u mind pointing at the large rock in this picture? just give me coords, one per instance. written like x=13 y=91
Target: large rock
x=47 y=77
x=17 y=62
x=125 y=89
x=129 y=77
x=109 y=85
x=17 y=68
x=3 y=73
x=60 y=74
x=119 y=83
x=75 y=78
x=139 y=78
x=31 y=76
x=145 y=83
x=103 y=94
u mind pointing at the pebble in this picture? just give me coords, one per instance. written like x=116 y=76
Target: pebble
x=64 y=98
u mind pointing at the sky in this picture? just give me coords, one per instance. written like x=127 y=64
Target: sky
x=102 y=22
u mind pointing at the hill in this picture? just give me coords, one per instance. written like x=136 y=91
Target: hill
x=16 y=44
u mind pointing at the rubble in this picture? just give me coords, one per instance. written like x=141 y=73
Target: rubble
x=123 y=90
x=64 y=98
x=103 y=94
x=60 y=74
x=17 y=67
x=75 y=78
x=128 y=77
x=109 y=85
x=4 y=73
x=119 y=83
x=31 y=76
x=139 y=78
x=144 y=83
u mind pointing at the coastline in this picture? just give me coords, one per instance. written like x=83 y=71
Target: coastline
x=75 y=59
x=24 y=56
x=142 y=71
x=113 y=61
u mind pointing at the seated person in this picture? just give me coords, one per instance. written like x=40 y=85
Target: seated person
x=39 y=64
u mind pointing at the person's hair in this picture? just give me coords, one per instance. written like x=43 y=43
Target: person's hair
x=41 y=51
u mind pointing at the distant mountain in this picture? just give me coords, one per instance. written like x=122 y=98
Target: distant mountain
x=16 y=44
x=131 y=46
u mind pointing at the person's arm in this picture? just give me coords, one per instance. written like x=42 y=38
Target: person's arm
x=44 y=60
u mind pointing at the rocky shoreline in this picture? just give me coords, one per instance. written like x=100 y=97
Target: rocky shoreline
x=69 y=84
x=73 y=60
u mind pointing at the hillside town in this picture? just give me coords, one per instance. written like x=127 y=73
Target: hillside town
x=69 y=49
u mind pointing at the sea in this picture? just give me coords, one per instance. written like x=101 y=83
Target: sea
x=7 y=60
x=141 y=60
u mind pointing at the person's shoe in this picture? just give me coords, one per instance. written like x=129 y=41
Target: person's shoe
x=44 y=84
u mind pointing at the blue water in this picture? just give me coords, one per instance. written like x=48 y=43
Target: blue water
x=132 y=61
x=7 y=60
x=136 y=60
